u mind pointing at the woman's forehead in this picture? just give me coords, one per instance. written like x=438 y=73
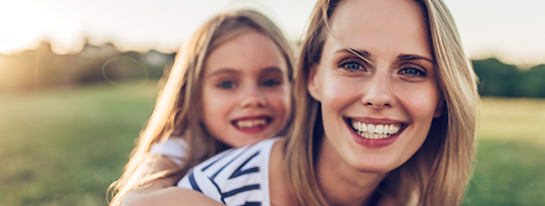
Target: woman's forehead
x=380 y=26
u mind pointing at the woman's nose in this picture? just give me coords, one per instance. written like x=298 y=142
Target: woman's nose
x=377 y=94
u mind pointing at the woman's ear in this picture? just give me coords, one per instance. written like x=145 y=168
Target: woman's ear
x=313 y=84
x=439 y=108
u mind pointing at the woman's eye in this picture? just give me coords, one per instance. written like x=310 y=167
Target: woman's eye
x=413 y=72
x=226 y=85
x=271 y=83
x=351 y=66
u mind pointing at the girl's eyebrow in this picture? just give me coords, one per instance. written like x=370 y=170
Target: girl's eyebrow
x=413 y=57
x=223 y=71
x=271 y=69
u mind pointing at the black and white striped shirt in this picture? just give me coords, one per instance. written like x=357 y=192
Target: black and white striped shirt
x=234 y=177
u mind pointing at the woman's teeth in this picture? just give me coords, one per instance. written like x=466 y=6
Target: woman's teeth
x=251 y=123
x=372 y=131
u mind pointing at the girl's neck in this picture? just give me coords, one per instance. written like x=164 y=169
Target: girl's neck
x=340 y=183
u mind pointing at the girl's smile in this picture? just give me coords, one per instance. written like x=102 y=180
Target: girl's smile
x=252 y=124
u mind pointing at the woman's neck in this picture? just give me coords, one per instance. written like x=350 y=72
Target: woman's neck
x=340 y=183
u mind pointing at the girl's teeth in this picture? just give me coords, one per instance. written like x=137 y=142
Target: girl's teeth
x=251 y=123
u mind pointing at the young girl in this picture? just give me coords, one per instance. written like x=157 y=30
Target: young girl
x=229 y=88
x=385 y=114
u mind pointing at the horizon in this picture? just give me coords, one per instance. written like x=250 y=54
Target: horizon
x=487 y=28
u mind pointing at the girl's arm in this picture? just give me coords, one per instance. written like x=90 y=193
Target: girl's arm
x=174 y=196
x=162 y=192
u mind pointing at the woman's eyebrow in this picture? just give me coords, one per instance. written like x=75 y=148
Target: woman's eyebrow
x=413 y=57
x=363 y=54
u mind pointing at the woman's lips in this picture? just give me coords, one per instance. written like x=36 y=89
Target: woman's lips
x=375 y=134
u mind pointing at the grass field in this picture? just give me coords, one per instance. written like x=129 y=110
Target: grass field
x=65 y=146
x=511 y=154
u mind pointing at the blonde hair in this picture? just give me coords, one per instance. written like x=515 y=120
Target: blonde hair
x=178 y=108
x=437 y=174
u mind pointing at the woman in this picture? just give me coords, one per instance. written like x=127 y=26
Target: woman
x=402 y=63
x=386 y=107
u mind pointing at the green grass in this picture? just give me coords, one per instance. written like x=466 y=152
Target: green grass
x=508 y=173
x=513 y=119
x=65 y=146
x=510 y=166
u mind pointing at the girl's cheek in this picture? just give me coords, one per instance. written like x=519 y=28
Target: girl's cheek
x=282 y=97
x=280 y=102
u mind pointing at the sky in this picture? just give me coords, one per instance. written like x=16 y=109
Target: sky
x=512 y=31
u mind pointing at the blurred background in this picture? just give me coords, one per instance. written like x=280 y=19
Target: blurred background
x=78 y=80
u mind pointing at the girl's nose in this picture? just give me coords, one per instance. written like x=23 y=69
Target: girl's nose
x=253 y=98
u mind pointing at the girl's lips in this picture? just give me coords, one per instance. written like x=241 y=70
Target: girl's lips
x=254 y=124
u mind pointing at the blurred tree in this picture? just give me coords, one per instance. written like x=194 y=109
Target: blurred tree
x=533 y=84
x=497 y=78
x=42 y=68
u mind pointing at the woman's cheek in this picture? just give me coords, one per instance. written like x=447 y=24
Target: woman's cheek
x=339 y=89
x=417 y=96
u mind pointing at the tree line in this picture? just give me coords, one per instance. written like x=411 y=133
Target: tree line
x=504 y=80
x=41 y=68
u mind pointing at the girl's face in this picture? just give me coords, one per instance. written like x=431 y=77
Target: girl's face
x=246 y=95
x=376 y=112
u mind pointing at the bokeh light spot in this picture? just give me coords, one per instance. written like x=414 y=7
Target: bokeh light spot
x=125 y=72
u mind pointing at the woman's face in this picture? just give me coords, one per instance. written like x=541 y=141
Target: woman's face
x=246 y=95
x=376 y=112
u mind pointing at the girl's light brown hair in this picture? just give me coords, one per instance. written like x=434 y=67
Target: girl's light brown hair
x=437 y=174
x=178 y=105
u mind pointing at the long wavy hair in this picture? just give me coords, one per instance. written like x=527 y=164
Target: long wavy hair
x=178 y=105
x=437 y=174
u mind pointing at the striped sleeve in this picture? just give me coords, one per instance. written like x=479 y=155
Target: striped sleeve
x=198 y=181
x=236 y=177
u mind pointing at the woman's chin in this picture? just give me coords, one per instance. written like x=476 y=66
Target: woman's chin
x=373 y=166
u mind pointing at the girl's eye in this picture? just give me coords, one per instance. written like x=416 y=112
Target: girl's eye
x=226 y=85
x=271 y=83
x=351 y=66
x=413 y=72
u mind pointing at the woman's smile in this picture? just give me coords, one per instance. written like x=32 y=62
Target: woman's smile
x=375 y=133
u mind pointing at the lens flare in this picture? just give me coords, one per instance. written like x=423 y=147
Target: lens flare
x=125 y=72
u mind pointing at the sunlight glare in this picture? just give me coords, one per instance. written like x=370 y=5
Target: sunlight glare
x=24 y=25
